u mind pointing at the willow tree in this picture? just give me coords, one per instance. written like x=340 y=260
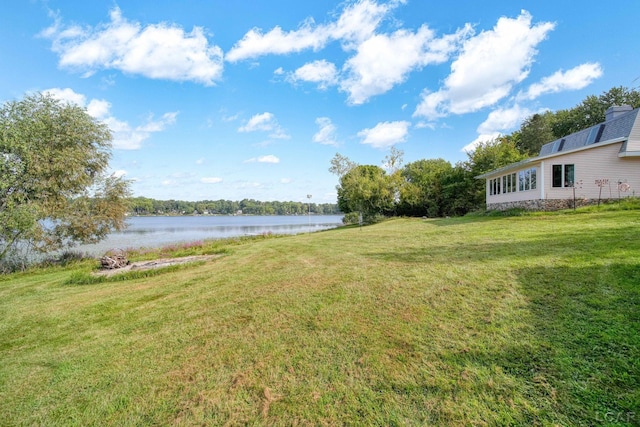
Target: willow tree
x=55 y=190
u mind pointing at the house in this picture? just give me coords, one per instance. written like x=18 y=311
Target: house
x=592 y=165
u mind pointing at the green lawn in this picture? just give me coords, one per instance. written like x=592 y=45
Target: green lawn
x=531 y=320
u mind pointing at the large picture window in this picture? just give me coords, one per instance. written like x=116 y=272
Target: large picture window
x=517 y=181
x=563 y=176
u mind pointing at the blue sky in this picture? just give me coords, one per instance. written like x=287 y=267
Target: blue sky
x=251 y=99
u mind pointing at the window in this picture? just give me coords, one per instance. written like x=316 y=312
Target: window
x=521 y=180
x=569 y=179
x=563 y=176
x=516 y=181
x=557 y=176
x=533 y=179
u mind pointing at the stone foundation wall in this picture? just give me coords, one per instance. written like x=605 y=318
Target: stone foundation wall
x=545 y=205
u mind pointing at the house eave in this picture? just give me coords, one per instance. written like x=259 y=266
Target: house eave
x=629 y=154
x=508 y=168
x=522 y=163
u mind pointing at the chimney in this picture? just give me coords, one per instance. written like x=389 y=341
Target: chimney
x=616 y=111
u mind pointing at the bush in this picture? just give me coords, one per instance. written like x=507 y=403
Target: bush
x=351 y=218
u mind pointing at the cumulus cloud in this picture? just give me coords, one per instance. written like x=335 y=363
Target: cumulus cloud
x=322 y=72
x=488 y=67
x=576 y=78
x=503 y=119
x=385 y=134
x=384 y=61
x=326 y=135
x=125 y=136
x=497 y=123
x=264 y=122
x=356 y=23
x=380 y=61
x=157 y=51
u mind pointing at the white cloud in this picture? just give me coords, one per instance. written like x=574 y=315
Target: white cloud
x=321 y=72
x=383 y=61
x=326 y=135
x=68 y=95
x=264 y=122
x=211 y=180
x=470 y=147
x=200 y=161
x=264 y=159
x=356 y=23
x=160 y=51
x=98 y=108
x=503 y=119
x=359 y=21
x=125 y=137
x=385 y=134
x=119 y=173
x=576 y=78
x=285 y=181
x=497 y=122
x=256 y=43
x=488 y=67
x=380 y=62
x=425 y=125
x=268 y=159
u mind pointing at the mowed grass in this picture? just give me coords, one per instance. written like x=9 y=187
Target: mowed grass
x=531 y=320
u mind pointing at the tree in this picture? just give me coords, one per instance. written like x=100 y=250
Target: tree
x=340 y=165
x=592 y=109
x=422 y=193
x=54 y=186
x=365 y=189
x=486 y=157
x=534 y=132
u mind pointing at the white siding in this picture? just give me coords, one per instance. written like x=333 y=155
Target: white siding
x=634 y=137
x=596 y=164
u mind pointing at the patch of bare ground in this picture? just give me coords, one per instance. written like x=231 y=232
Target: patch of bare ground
x=153 y=264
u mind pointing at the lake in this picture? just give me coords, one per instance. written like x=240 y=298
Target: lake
x=155 y=231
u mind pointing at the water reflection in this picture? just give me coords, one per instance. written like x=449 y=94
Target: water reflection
x=160 y=231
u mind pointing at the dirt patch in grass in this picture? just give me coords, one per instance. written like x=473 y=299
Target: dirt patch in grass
x=153 y=264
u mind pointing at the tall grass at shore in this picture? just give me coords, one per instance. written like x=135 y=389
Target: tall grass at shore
x=527 y=320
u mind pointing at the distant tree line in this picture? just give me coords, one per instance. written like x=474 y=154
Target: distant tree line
x=436 y=188
x=148 y=206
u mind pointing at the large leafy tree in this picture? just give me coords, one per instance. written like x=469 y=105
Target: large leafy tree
x=422 y=192
x=54 y=187
x=366 y=189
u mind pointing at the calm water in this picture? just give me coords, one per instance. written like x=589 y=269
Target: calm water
x=157 y=231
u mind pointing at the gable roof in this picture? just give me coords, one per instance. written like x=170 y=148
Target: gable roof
x=621 y=126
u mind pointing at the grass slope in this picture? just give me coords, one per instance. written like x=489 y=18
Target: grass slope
x=527 y=320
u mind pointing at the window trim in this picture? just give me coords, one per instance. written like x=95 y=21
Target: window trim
x=560 y=172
